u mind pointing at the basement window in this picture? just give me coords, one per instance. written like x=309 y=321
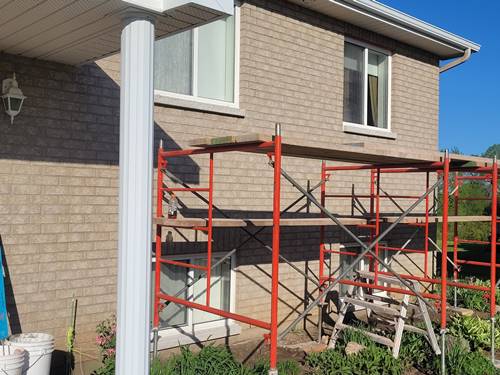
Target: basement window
x=366 y=86
x=180 y=324
x=199 y=64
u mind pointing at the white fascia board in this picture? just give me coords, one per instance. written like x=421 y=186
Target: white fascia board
x=415 y=24
x=225 y=7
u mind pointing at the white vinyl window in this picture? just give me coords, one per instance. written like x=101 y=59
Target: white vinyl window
x=366 y=86
x=199 y=64
x=175 y=278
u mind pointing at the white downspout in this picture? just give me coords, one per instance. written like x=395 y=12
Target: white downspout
x=457 y=61
x=135 y=212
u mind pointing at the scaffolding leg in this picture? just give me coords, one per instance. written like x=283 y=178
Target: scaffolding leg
x=455 y=294
x=320 y=322
x=443 y=352
x=492 y=321
x=273 y=356
x=155 y=342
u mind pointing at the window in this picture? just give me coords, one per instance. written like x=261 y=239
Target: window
x=174 y=278
x=198 y=63
x=366 y=86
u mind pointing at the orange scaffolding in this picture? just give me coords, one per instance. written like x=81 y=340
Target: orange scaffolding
x=377 y=225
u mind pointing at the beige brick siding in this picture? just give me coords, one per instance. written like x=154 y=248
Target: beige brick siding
x=59 y=173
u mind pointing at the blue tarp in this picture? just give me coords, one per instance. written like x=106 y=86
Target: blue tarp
x=4 y=320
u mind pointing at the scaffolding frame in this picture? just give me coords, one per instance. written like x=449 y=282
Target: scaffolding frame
x=326 y=282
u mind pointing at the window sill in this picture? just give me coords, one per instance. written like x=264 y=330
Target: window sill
x=199 y=106
x=171 y=338
x=368 y=131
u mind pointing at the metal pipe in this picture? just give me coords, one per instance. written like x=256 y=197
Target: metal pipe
x=377 y=224
x=444 y=239
x=493 y=277
x=385 y=166
x=210 y=227
x=273 y=355
x=457 y=61
x=441 y=251
x=213 y=310
x=455 y=237
x=159 y=212
x=443 y=349
x=257 y=147
x=426 y=230
x=492 y=331
x=321 y=250
x=444 y=256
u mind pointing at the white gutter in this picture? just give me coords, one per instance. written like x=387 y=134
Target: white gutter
x=421 y=27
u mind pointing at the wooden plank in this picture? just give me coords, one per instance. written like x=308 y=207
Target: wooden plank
x=382 y=278
x=400 y=326
x=238 y=222
x=468 y=160
x=372 y=306
x=304 y=222
x=199 y=222
x=436 y=219
x=230 y=140
x=377 y=338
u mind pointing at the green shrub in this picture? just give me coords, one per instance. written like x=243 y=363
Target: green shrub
x=477 y=364
x=372 y=360
x=214 y=360
x=460 y=361
x=476 y=330
x=473 y=299
x=416 y=351
x=329 y=362
x=210 y=360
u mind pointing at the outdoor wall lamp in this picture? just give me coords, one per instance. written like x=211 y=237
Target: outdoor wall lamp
x=12 y=97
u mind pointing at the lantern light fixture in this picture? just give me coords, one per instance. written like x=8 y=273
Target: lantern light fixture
x=12 y=97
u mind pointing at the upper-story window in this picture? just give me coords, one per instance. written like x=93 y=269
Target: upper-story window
x=198 y=63
x=366 y=86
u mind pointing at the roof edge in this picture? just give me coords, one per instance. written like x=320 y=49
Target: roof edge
x=412 y=23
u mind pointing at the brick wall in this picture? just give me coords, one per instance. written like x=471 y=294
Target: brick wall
x=58 y=162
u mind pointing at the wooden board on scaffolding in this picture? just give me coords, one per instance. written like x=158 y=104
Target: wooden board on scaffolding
x=351 y=153
x=437 y=219
x=236 y=223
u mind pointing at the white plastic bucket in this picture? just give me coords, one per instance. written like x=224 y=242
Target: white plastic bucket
x=13 y=360
x=39 y=347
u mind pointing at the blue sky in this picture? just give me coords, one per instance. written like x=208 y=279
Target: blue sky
x=470 y=93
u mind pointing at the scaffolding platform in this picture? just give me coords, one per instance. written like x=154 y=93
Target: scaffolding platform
x=349 y=153
x=305 y=221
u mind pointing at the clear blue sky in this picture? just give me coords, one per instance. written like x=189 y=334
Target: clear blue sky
x=470 y=93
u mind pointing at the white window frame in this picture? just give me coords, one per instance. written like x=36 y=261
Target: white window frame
x=171 y=336
x=194 y=101
x=364 y=128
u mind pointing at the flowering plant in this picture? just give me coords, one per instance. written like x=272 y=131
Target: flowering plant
x=106 y=342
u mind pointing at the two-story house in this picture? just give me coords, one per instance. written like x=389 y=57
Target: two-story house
x=334 y=73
